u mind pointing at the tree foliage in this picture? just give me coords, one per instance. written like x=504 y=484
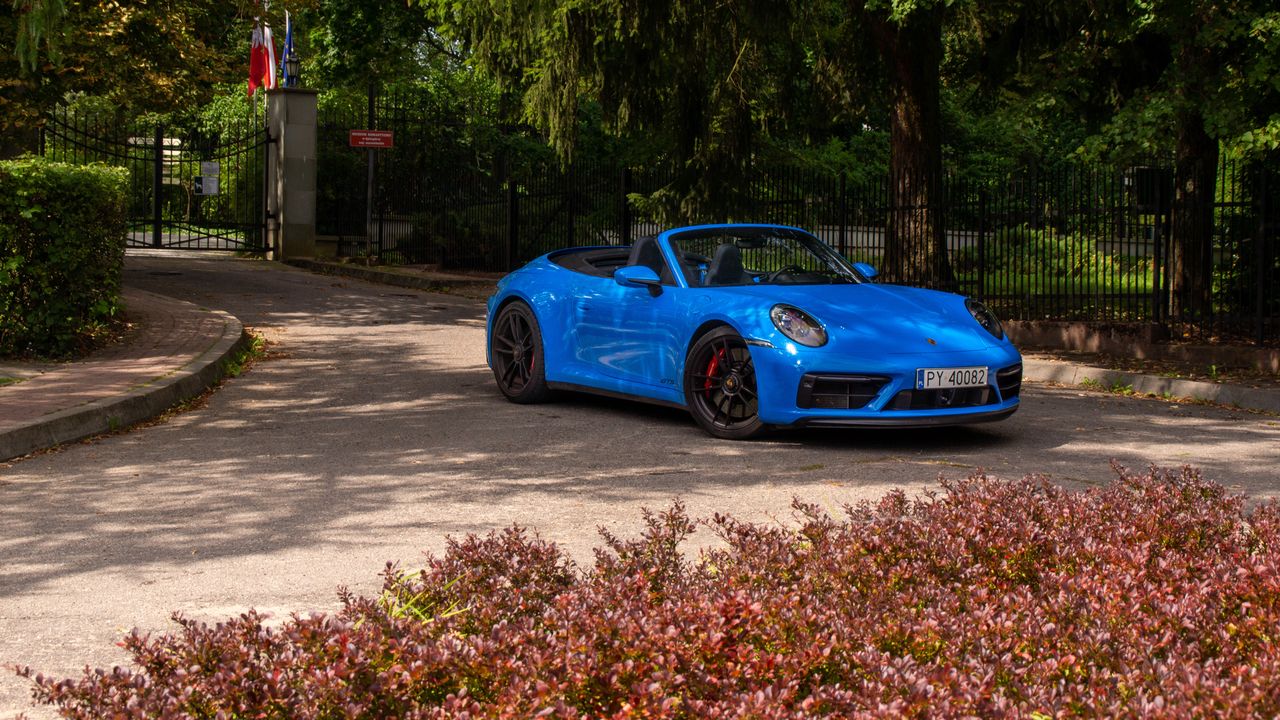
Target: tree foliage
x=718 y=83
x=863 y=86
x=153 y=56
x=362 y=43
x=718 y=86
x=1202 y=75
x=1216 y=59
x=703 y=80
x=38 y=20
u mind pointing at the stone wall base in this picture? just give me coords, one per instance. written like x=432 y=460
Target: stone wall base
x=1144 y=341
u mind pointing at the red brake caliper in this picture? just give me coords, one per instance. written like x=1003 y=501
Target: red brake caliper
x=712 y=367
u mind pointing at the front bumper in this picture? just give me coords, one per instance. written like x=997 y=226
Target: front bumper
x=784 y=378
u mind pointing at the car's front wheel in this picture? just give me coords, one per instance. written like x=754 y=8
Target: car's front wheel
x=720 y=386
x=515 y=345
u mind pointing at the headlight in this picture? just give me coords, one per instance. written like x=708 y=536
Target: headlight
x=798 y=325
x=985 y=318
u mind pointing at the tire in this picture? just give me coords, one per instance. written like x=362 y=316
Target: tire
x=720 y=386
x=515 y=346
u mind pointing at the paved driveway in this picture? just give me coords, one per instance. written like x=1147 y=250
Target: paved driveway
x=377 y=431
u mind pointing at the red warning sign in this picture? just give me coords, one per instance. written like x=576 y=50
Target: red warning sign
x=372 y=138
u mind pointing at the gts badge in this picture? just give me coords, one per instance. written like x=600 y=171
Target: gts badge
x=667 y=381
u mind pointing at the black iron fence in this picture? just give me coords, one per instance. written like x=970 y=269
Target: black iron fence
x=189 y=187
x=1070 y=242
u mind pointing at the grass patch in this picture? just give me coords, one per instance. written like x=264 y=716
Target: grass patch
x=242 y=359
x=1116 y=388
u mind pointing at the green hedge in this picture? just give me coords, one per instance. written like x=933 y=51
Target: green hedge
x=62 y=237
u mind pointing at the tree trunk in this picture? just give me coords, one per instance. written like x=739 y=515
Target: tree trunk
x=915 y=240
x=1191 y=220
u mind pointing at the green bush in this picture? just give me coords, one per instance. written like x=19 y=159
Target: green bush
x=1033 y=258
x=62 y=236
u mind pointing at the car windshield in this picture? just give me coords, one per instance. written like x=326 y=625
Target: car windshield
x=758 y=256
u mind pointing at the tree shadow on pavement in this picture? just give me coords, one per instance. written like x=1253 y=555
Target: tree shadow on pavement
x=379 y=428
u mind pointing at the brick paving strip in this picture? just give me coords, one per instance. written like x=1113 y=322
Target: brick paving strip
x=176 y=352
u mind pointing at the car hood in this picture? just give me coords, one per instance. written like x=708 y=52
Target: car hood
x=891 y=318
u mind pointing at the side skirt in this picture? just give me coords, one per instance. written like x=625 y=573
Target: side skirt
x=572 y=387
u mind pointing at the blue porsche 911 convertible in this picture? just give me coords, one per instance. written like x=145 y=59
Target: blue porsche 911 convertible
x=749 y=327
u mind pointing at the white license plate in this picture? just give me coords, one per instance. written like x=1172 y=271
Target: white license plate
x=943 y=378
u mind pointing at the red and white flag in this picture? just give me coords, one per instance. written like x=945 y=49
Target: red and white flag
x=262 y=59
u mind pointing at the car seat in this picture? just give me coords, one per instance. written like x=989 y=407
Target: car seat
x=646 y=252
x=726 y=267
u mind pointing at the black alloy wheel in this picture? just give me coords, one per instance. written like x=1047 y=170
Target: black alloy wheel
x=515 y=345
x=720 y=386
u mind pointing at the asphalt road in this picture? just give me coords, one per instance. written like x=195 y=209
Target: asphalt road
x=376 y=430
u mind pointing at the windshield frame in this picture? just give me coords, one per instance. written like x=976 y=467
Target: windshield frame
x=672 y=243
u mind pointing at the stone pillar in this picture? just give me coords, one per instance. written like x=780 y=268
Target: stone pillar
x=291 y=177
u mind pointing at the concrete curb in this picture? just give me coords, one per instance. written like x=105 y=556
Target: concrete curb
x=428 y=282
x=142 y=402
x=1065 y=373
x=1137 y=340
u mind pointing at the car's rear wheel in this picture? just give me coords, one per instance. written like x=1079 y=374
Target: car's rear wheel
x=515 y=345
x=720 y=386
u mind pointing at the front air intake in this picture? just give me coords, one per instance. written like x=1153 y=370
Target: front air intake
x=838 y=392
x=1010 y=381
x=942 y=399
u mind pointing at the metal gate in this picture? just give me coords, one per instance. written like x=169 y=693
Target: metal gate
x=189 y=188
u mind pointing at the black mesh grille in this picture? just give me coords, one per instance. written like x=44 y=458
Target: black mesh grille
x=1010 y=381
x=838 y=392
x=940 y=399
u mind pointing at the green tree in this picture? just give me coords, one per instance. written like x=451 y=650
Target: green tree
x=153 y=56
x=907 y=36
x=947 y=66
x=1199 y=72
x=1219 y=85
x=37 y=20
x=357 y=44
x=700 y=79
x=718 y=83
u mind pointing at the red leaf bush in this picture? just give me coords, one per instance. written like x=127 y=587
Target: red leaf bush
x=1158 y=595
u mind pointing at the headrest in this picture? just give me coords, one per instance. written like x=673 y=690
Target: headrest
x=726 y=267
x=646 y=252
